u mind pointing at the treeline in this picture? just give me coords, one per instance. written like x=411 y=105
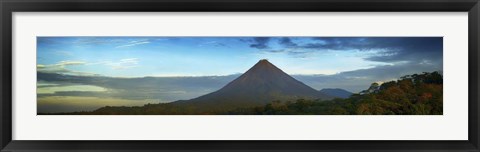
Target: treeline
x=418 y=94
x=151 y=109
x=148 y=109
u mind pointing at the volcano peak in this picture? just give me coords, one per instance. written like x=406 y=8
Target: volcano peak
x=261 y=84
x=263 y=62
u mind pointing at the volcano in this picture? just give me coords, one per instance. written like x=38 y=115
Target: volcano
x=261 y=84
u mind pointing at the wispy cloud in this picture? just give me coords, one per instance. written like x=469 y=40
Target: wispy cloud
x=64 y=63
x=119 y=64
x=61 y=68
x=125 y=64
x=118 y=42
x=212 y=43
x=129 y=60
x=96 y=41
x=133 y=43
x=64 y=53
x=64 y=67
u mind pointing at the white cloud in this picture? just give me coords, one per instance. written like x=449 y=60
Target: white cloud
x=64 y=63
x=129 y=60
x=121 y=64
x=61 y=68
x=133 y=43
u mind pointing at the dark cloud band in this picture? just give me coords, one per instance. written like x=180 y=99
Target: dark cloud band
x=387 y=49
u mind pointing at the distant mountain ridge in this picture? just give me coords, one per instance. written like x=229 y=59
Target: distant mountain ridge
x=261 y=84
x=337 y=92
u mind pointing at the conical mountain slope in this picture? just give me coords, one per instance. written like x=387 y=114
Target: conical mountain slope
x=261 y=84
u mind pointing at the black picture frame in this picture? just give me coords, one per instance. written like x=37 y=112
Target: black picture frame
x=9 y=6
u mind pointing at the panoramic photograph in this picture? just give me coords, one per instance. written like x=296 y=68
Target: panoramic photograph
x=130 y=75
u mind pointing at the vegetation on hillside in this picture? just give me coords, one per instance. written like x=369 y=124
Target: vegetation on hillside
x=418 y=94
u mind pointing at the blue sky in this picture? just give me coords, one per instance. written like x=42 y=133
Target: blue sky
x=207 y=56
x=350 y=63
